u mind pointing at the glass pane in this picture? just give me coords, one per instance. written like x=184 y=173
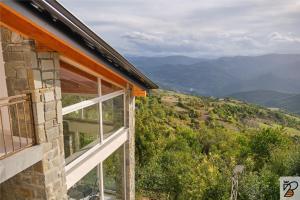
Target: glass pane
x=81 y=131
x=113 y=177
x=86 y=188
x=112 y=115
x=76 y=85
x=107 y=87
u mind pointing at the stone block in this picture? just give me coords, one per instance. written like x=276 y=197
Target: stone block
x=15 y=64
x=40 y=134
x=51 y=176
x=53 y=157
x=49 y=124
x=35 y=79
x=59 y=112
x=18 y=48
x=5 y=35
x=21 y=84
x=21 y=73
x=16 y=38
x=57 y=91
x=47 y=65
x=56 y=62
x=49 y=106
x=30 y=59
x=50 y=115
x=57 y=75
x=10 y=82
x=10 y=72
x=48 y=83
x=49 y=96
x=43 y=55
x=38 y=109
x=47 y=147
x=36 y=97
x=52 y=133
x=16 y=56
x=47 y=75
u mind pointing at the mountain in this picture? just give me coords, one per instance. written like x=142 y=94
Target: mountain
x=262 y=97
x=285 y=101
x=224 y=76
x=291 y=104
x=187 y=147
x=145 y=62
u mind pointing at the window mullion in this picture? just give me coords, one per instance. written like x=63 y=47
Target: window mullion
x=101 y=182
x=100 y=111
x=124 y=175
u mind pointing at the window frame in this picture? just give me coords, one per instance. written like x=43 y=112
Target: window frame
x=98 y=100
x=117 y=138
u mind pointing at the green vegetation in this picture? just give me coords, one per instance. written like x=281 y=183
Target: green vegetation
x=273 y=99
x=188 y=146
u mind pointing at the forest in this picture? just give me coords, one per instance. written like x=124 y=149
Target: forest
x=188 y=146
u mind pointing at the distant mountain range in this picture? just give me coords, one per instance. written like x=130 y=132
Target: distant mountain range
x=285 y=101
x=271 y=80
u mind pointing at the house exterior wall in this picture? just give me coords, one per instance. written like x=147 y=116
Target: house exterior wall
x=29 y=71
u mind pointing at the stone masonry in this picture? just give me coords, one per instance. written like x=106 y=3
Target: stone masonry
x=130 y=145
x=30 y=71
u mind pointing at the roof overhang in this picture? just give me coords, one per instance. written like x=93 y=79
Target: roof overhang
x=53 y=27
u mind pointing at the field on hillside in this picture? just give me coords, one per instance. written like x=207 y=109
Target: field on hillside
x=188 y=146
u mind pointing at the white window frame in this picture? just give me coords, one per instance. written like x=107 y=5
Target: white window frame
x=79 y=167
x=90 y=102
x=93 y=157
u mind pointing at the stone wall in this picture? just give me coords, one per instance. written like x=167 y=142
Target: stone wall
x=130 y=145
x=26 y=71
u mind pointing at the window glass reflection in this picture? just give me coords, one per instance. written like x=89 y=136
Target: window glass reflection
x=81 y=131
x=76 y=85
x=107 y=87
x=86 y=188
x=112 y=115
x=113 y=177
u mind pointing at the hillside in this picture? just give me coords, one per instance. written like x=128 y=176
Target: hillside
x=224 y=76
x=284 y=101
x=187 y=147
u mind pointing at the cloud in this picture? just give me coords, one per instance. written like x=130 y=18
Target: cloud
x=278 y=37
x=193 y=28
x=139 y=36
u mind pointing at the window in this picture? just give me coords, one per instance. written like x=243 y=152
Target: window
x=76 y=85
x=113 y=175
x=112 y=115
x=87 y=188
x=107 y=88
x=81 y=131
x=93 y=110
x=110 y=172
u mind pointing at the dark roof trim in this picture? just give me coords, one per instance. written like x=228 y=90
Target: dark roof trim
x=54 y=12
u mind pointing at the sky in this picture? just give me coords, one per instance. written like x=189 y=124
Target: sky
x=197 y=28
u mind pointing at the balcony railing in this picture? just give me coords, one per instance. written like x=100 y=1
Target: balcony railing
x=16 y=124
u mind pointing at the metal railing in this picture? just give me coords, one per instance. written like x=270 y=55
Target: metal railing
x=16 y=124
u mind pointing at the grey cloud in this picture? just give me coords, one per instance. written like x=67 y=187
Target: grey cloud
x=194 y=28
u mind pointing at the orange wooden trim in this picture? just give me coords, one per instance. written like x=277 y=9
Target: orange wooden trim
x=14 y=20
x=138 y=92
x=77 y=71
x=40 y=47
